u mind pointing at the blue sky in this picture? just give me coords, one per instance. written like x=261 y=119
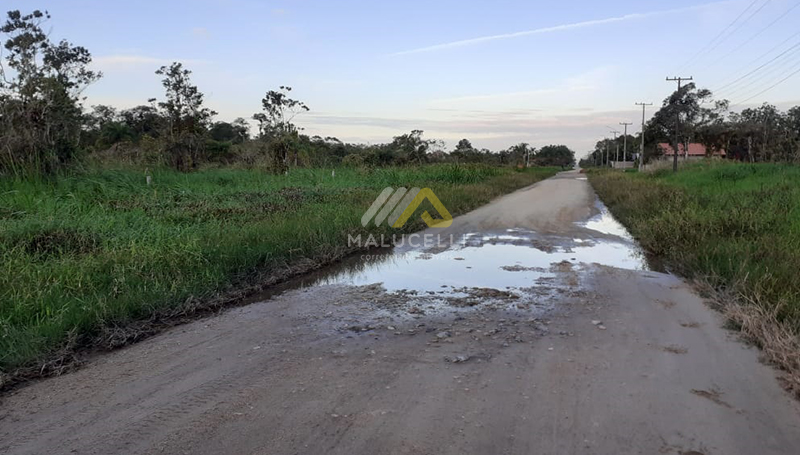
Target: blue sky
x=497 y=72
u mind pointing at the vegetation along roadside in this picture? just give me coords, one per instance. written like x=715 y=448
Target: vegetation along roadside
x=88 y=257
x=732 y=227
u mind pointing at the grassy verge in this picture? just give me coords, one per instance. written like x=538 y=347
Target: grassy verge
x=88 y=255
x=735 y=228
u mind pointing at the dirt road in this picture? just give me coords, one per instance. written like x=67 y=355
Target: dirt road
x=539 y=331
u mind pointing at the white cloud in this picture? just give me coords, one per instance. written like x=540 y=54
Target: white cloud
x=589 y=81
x=556 y=28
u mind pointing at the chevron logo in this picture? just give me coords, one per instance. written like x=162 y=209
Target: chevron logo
x=396 y=207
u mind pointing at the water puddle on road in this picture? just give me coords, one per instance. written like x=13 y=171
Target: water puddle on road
x=510 y=260
x=496 y=261
x=604 y=222
x=510 y=266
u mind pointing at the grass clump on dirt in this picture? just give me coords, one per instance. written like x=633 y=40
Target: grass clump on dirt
x=85 y=254
x=734 y=227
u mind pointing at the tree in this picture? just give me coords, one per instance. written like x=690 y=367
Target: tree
x=235 y=132
x=113 y=133
x=465 y=152
x=712 y=130
x=187 y=120
x=278 y=112
x=275 y=126
x=412 y=148
x=793 y=131
x=40 y=96
x=463 y=149
x=144 y=121
x=681 y=112
x=761 y=126
x=102 y=114
x=598 y=156
x=242 y=130
x=522 y=153
x=555 y=155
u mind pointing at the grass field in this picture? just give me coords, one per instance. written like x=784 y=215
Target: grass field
x=733 y=226
x=99 y=250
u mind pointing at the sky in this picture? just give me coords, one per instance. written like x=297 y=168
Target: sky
x=495 y=72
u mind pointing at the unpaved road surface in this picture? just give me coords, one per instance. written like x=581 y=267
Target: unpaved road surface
x=539 y=331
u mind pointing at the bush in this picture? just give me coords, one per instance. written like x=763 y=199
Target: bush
x=353 y=160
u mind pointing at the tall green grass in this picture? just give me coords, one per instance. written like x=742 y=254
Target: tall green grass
x=735 y=225
x=102 y=249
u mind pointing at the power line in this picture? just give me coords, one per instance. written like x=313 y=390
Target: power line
x=765 y=73
x=769 y=73
x=710 y=43
x=760 y=67
x=780 y=17
x=777 y=46
x=770 y=87
x=741 y=24
x=769 y=83
x=764 y=77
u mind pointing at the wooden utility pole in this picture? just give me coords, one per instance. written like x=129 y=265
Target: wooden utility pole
x=625 y=141
x=677 y=120
x=616 y=156
x=641 y=148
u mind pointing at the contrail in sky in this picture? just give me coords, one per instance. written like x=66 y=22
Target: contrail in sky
x=556 y=28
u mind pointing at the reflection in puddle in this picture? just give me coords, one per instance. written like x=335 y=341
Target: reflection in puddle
x=605 y=223
x=518 y=262
x=492 y=264
x=510 y=259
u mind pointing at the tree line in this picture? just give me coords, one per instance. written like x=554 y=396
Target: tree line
x=44 y=126
x=759 y=134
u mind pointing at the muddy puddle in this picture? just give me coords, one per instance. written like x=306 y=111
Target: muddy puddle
x=509 y=260
x=513 y=268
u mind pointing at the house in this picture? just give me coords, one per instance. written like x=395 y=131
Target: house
x=695 y=151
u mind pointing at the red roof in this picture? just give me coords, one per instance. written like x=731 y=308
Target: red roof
x=695 y=149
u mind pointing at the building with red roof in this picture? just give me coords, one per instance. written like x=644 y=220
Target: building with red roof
x=695 y=151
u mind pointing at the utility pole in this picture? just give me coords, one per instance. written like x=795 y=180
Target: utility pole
x=625 y=142
x=605 y=141
x=641 y=151
x=616 y=156
x=679 y=80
